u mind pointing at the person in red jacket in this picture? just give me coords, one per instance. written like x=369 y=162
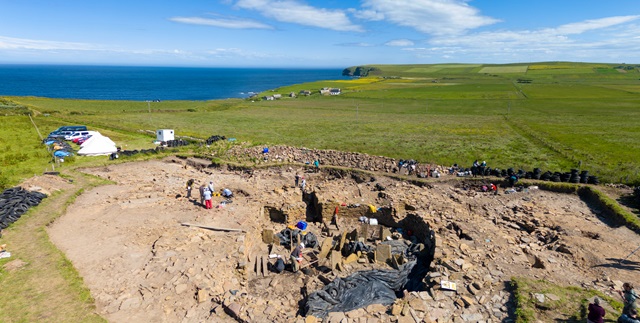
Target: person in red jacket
x=596 y=312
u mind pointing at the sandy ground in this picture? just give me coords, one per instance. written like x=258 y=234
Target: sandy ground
x=142 y=265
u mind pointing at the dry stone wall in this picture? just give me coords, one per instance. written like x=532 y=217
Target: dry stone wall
x=286 y=154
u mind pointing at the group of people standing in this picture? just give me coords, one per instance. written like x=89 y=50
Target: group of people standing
x=478 y=168
x=206 y=193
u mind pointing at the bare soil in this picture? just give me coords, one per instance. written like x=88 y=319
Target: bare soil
x=127 y=242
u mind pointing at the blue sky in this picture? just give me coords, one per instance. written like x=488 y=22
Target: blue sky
x=333 y=33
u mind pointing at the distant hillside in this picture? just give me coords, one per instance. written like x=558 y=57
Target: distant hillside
x=528 y=69
x=361 y=71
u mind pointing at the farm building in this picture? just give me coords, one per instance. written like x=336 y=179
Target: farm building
x=330 y=91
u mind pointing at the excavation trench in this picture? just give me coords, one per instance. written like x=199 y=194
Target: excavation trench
x=140 y=264
x=373 y=255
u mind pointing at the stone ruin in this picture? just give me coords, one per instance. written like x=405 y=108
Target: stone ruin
x=386 y=236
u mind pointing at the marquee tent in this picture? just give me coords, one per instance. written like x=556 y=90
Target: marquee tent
x=97 y=145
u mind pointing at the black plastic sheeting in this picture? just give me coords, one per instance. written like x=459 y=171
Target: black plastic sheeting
x=310 y=240
x=214 y=138
x=14 y=202
x=355 y=246
x=365 y=288
x=359 y=290
x=374 y=286
x=175 y=143
x=142 y=151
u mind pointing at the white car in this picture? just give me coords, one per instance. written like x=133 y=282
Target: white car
x=78 y=134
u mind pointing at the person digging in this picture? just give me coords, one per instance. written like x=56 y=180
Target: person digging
x=189 y=186
x=296 y=257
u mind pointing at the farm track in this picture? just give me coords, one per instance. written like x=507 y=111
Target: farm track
x=538 y=141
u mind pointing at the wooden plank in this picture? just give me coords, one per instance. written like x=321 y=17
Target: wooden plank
x=212 y=228
x=309 y=264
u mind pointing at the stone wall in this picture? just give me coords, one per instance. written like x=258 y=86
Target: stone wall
x=286 y=154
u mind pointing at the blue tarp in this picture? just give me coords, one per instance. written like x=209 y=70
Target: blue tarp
x=62 y=153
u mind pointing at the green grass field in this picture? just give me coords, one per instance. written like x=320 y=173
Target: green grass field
x=442 y=113
x=504 y=69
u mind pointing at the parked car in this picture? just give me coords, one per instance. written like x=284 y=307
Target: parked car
x=81 y=140
x=78 y=134
x=56 y=133
x=60 y=134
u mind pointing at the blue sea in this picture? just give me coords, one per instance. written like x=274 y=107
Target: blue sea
x=150 y=83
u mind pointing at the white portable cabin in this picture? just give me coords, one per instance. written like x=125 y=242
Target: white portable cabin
x=165 y=135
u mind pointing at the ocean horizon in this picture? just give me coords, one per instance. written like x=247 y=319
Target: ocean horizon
x=142 y=83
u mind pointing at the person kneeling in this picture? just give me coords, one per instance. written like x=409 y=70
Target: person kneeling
x=631 y=318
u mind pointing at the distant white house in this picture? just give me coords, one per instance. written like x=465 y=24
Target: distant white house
x=277 y=96
x=292 y=94
x=330 y=91
x=268 y=98
x=305 y=92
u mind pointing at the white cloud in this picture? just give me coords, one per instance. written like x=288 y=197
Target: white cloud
x=436 y=17
x=399 y=43
x=588 y=25
x=371 y=15
x=362 y=44
x=564 y=35
x=231 y=23
x=35 y=44
x=292 y=11
x=595 y=40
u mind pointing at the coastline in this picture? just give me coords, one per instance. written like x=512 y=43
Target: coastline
x=140 y=83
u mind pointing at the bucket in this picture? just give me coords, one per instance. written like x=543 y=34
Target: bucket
x=373 y=221
x=302 y=225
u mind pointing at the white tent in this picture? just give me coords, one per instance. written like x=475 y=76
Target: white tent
x=97 y=145
x=93 y=136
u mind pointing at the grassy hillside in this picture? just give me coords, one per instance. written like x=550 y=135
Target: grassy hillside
x=555 y=116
